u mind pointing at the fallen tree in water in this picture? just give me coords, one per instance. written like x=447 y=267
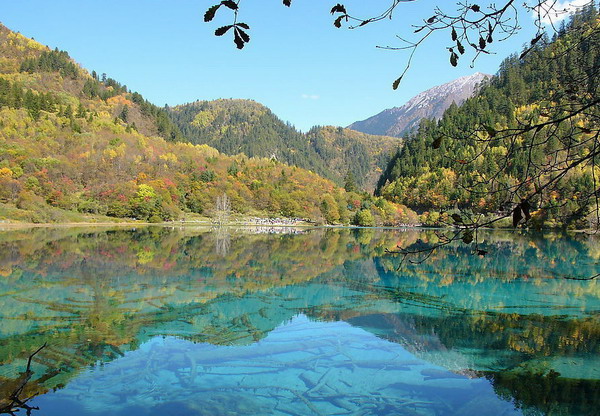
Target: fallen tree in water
x=13 y=402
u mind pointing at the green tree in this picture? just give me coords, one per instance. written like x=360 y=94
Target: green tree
x=81 y=111
x=350 y=182
x=364 y=218
x=329 y=209
x=124 y=114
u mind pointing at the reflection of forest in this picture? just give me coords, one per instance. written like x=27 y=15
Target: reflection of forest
x=93 y=294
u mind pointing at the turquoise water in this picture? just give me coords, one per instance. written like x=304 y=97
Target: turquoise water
x=169 y=321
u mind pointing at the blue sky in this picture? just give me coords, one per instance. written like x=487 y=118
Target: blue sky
x=308 y=72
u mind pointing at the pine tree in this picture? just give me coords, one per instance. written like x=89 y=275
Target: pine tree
x=124 y=113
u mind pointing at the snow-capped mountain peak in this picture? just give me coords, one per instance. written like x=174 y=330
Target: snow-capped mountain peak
x=432 y=103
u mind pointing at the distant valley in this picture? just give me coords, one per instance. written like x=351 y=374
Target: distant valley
x=245 y=126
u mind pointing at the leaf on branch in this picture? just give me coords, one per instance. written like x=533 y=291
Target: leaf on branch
x=396 y=83
x=467 y=237
x=457 y=219
x=460 y=47
x=222 y=30
x=244 y=25
x=287 y=3
x=525 y=52
x=481 y=43
x=454 y=34
x=243 y=35
x=210 y=13
x=237 y=39
x=419 y=29
x=481 y=252
x=338 y=22
x=490 y=31
x=240 y=38
x=364 y=22
x=431 y=19
x=338 y=8
x=437 y=142
x=536 y=39
x=230 y=3
x=475 y=8
x=490 y=131
x=517 y=216
x=453 y=59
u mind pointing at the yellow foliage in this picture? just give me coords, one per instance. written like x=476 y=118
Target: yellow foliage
x=6 y=173
x=204 y=118
x=109 y=153
x=119 y=100
x=22 y=43
x=8 y=65
x=169 y=158
x=499 y=151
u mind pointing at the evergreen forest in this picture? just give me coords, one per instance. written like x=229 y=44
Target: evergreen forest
x=530 y=134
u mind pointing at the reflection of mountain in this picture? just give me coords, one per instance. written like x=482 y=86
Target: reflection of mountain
x=93 y=295
x=302 y=367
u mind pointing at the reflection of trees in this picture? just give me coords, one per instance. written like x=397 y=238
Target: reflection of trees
x=105 y=292
x=548 y=393
x=107 y=288
x=519 y=338
x=222 y=236
x=511 y=256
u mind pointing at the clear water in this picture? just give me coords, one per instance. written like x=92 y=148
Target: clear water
x=161 y=321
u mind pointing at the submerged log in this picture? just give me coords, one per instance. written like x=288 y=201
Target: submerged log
x=13 y=403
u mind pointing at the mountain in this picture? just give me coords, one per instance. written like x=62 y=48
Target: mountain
x=245 y=126
x=352 y=155
x=430 y=104
x=75 y=146
x=526 y=143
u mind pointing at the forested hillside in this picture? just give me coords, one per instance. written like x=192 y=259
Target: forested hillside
x=351 y=155
x=74 y=143
x=530 y=137
x=245 y=126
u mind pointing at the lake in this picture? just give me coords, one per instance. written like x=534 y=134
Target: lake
x=261 y=321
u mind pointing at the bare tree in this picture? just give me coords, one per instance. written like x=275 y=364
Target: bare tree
x=222 y=236
x=222 y=209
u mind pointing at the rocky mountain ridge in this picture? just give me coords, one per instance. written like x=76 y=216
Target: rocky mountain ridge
x=431 y=104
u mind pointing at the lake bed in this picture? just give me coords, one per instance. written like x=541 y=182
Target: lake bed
x=189 y=320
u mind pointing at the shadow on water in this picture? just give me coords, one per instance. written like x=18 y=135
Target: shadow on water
x=458 y=334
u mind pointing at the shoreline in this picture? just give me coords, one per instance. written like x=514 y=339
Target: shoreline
x=5 y=226
x=17 y=225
